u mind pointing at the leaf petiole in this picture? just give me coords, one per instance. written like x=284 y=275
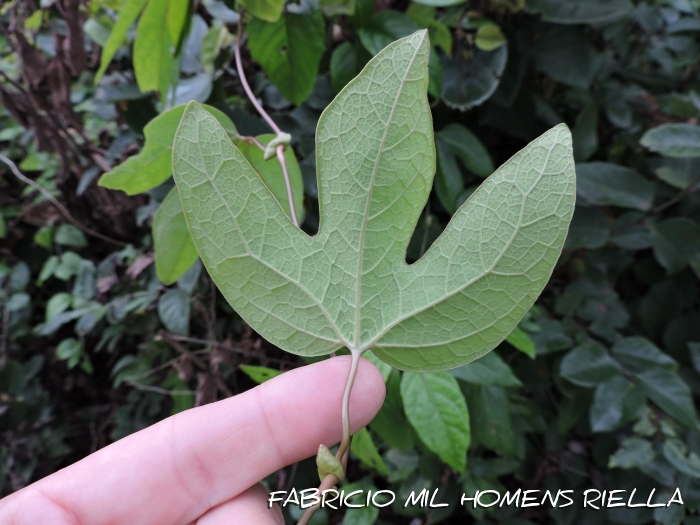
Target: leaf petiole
x=344 y=448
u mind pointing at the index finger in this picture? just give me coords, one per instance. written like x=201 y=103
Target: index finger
x=172 y=472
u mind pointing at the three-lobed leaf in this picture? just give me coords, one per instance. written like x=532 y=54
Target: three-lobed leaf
x=350 y=285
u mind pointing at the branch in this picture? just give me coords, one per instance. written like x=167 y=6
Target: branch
x=58 y=205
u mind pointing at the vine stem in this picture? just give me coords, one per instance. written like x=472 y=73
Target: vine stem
x=344 y=448
x=17 y=173
x=253 y=100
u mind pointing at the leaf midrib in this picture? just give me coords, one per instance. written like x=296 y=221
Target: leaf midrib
x=363 y=230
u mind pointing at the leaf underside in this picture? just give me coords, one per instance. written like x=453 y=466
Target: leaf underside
x=350 y=285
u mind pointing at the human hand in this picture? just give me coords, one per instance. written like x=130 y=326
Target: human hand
x=204 y=465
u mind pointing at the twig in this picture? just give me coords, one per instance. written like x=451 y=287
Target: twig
x=4 y=338
x=254 y=141
x=58 y=205
x=159 y=390
x=251 y=96
x=678 y=197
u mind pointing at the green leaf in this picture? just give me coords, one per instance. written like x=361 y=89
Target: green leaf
x=694 y=349
x=128 y=13
x=588 y=365
x=268 y=10
x=259 y=374
x=390 y=423
x=679 y=173
x=489 y=412
x=589 y=229
x=456 y=143
x=18 y=301
x=337 y=7
x=70 y=235
x=174 y=249
x=349 y=285
x=489 y=37
x=676 y=242
x=289 y=50
x=440 y=34
x=271 y=173
x=386 y=27
x=153 y=165
x=33 y=21
x=347 y=61
x=57 y=304
x=43 y=236
x=634 y=452
x=585 y=133
x=489 y=370
x=381 y=365
x=178 y=11
x=606 y=184
x=364 y=449
x=182 y=399
x=174 y=311
x=670 y=393
x=440 y=3
x=520 y=339
x=639 y=353
x=578 y=12
x=436 y=408
x=152 y=48
x=673 y=140
x=69 y=350
x=472 y=76
x=212 y=43
x=613 y=402
x=567 y=55
x=677 y=455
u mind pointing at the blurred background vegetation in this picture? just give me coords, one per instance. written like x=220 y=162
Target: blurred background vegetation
x=108 y=323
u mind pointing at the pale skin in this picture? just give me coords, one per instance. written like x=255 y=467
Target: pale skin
x=203 y=466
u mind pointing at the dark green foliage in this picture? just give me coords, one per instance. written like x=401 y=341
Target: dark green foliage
x=94 y=346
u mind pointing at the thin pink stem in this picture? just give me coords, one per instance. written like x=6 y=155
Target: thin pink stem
x=246 y=87
x=288 y=184
x=268 y=119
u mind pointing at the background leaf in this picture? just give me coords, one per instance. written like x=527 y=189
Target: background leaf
x=174 y=311
x=588 y=365
x=573 y=12
x=668 y=391
x=673 y=140
x=267 y=10
x=153 y=165
x=175 y=250
x=437 y=410
x=127 y=15
x=152 y=53
x=604 y=183
x=471 y=77
x=289 y=50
